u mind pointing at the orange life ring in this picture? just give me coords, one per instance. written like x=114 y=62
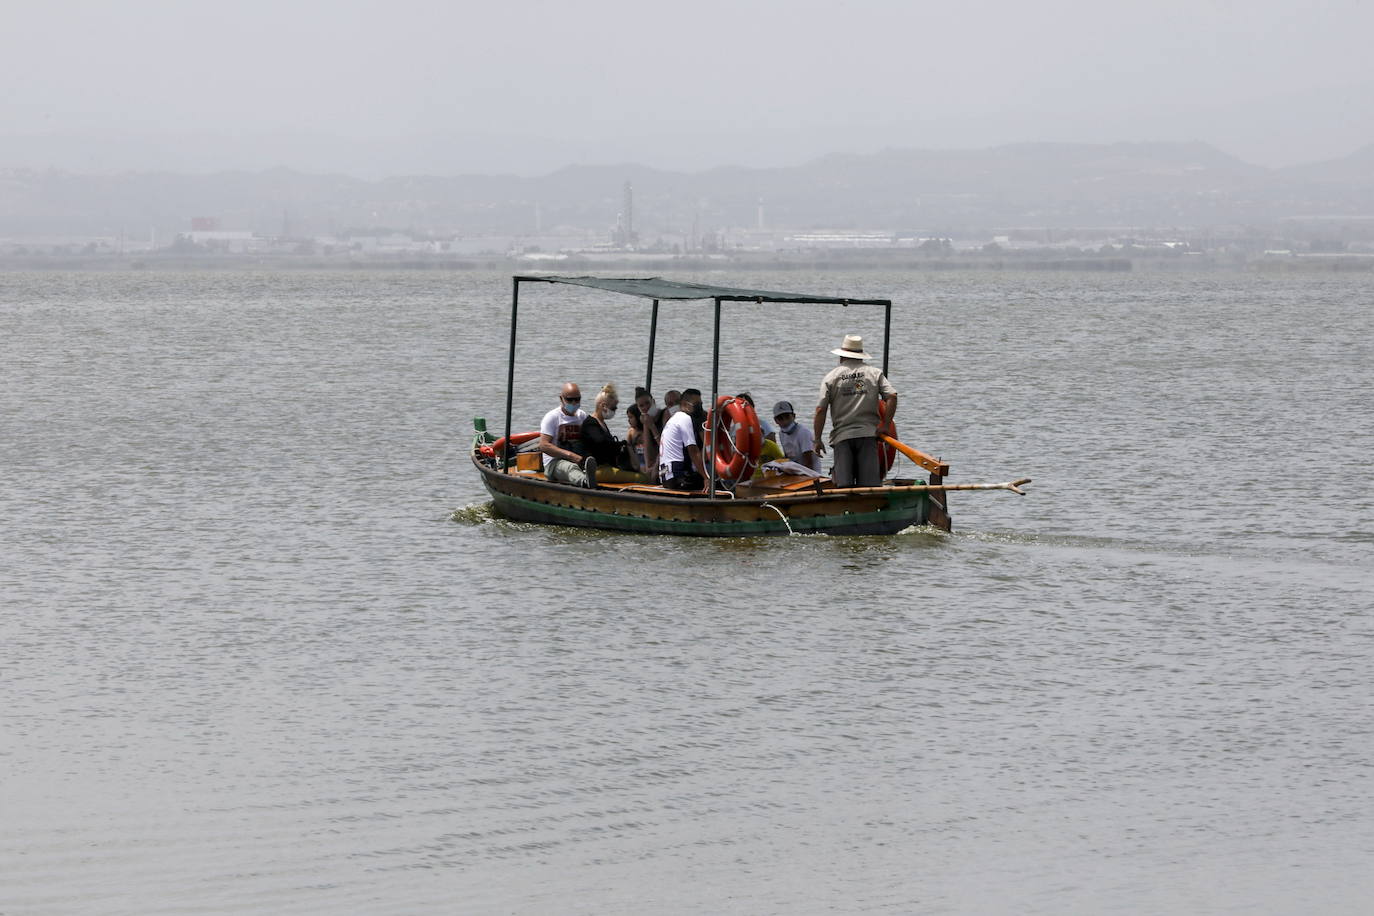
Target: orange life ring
x=737 y=442
x=887 y=455
x=498 y=447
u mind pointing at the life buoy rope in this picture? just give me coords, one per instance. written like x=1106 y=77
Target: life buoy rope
x=736 y=438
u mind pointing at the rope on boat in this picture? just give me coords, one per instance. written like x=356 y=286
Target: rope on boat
x=729 y=443
x=480 y=440
x=768 y=505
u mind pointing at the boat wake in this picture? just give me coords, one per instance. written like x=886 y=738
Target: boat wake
x=477 y=514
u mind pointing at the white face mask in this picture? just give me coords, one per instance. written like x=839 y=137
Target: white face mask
x=610 y=412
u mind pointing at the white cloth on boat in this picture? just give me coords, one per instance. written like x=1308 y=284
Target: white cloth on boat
x=790 y=467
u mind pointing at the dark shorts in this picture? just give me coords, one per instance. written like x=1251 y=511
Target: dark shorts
x=682 y=476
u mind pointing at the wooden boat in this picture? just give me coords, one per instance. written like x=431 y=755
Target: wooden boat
x=772 y=505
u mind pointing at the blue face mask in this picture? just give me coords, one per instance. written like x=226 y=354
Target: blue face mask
x=790 y=428
x=570 y=409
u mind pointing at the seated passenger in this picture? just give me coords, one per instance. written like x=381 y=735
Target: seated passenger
x=670 y=403
x=680 y=465
x=768 y=432
x=597 y=439
x=560 y=439
x=796 y=440
x=643 y=437
x=635 y=410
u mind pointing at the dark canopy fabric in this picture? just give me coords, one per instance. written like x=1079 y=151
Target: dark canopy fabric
x=658 y=288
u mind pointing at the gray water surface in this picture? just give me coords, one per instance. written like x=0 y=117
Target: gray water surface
x=264 y=649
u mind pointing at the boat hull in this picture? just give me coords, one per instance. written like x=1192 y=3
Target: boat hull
x=874 y=510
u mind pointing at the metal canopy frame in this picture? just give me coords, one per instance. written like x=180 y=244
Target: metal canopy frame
x=658 y=289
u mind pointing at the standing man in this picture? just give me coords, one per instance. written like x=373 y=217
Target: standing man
x=560 y=439
x=680 y=466
x=852 y=392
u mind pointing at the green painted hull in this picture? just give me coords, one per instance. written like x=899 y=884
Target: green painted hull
x=884 y=510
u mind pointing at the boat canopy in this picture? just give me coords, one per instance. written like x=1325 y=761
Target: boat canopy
x=658 y=288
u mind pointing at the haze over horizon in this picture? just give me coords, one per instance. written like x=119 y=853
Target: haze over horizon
x=372 y=90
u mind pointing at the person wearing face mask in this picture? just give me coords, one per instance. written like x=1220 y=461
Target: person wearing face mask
x=698 y=413
x=560 y=439
x=796 y=440
x=597 y=439
x=680 y=464
x=646 y=425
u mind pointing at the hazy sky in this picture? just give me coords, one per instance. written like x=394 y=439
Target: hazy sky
x=377 y=88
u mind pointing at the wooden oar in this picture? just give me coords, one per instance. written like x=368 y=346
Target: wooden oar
x=843 y=492
x=1013 y=485
x=934 y=465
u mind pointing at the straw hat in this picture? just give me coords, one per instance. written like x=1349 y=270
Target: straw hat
x=852 y=348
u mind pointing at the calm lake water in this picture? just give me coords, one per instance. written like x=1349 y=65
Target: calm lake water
x=264 y=648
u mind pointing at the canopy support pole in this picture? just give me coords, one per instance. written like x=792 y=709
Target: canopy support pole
x=510 y=370
x=653 y=334
x=887 y=334
x=715 y=384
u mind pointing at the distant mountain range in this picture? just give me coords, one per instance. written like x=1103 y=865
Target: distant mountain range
x=931 y=192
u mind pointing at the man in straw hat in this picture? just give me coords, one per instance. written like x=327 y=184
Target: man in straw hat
x=850 y=394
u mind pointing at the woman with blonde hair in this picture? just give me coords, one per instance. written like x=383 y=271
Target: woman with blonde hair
x=597 y=438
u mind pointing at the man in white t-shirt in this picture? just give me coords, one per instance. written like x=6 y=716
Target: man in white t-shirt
x=796 y=440
x=560 y=439
x=679 y=453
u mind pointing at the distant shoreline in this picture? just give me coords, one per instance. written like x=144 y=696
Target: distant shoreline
x=787 y=261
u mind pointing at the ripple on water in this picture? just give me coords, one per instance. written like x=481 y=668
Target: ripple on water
x=268 y=648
